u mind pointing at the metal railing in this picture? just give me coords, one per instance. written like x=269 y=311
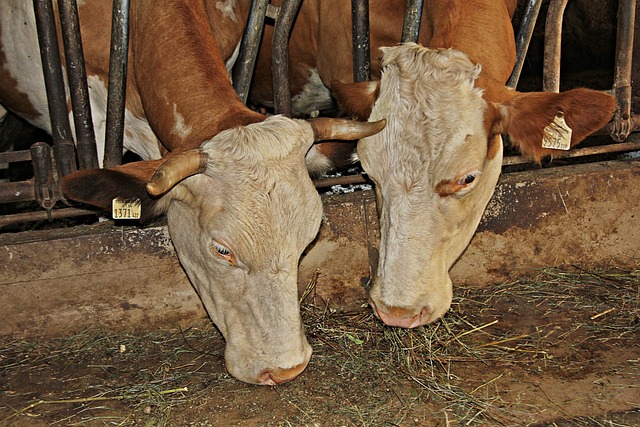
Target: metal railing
x=51 y=163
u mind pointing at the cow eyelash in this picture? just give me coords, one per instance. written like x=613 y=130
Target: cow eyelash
x=221 y=249
x=224 y=252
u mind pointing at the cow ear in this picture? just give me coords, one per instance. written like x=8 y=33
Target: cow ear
x=525 y=117
x=356 y=99
x=98 y=187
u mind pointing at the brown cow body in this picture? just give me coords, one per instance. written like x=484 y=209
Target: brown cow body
x=240 y=205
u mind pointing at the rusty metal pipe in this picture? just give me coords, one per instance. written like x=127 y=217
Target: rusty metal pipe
x=44 y=184
x=622 y=82
x=280 y=57
x=77 y=77
x=117 y=83
x=360 y=37
x=15 y=156
x=411 y=24
x=246 y=62
x=41 y=216
x=52 y=69
x=552 y=46
x=21 y=191
x=525 y=31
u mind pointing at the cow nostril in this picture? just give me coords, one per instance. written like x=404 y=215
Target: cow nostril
x=404 y=318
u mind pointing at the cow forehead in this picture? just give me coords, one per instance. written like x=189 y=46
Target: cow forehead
x=255 y=193
x=435 y=114
x=276 y=139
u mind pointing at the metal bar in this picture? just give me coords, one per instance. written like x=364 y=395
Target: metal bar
x=525 y=31
x=341 y=180
x=45 y=188
x=117 y=83
x=360 y=36
x=41 y=216
x=15 y=156
x=411 y=25
x=622 y=81
x=77 y=77
x=245 y=65
x=552 y=46
x=280 y=57
x=13 y=192
x=54 y=82
x=65 y=157
x=632 y=144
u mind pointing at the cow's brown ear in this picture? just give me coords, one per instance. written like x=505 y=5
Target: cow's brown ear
x=98 y=187
x=530 y=117
x=356 y=99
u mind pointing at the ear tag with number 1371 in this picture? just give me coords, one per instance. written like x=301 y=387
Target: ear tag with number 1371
x=125 y=209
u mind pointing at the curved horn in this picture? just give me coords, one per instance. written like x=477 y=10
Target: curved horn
x=175 y=169
x=343 y=129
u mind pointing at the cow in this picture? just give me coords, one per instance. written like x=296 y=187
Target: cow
x=437 y=162
x=240 y=204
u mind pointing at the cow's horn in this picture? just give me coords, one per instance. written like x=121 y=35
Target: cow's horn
x=343 y=129
x=175 y=169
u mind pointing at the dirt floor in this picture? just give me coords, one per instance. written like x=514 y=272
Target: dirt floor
x=561 y=348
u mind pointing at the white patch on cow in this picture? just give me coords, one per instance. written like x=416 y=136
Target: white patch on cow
x=17 y=24
x=316 y=162
x=226 y=7
x=232 y=61
x=180 y=128
x=138 y=136
x=314 y=97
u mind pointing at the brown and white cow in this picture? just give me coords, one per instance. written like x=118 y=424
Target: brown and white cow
x=240 y=205
x=436 y=164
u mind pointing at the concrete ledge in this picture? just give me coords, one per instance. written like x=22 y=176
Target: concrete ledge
x=61 y=281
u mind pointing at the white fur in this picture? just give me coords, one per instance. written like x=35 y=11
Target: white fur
x=226 y=7
x=435 y=132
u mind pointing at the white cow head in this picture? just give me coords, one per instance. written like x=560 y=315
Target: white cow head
x=241 y=209
x=437 y=162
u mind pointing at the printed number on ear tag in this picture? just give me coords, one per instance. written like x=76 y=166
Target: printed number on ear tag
x=557 y=134
x=125 y=209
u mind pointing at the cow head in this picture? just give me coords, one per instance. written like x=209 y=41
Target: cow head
x=437 y=162
x=241 y=209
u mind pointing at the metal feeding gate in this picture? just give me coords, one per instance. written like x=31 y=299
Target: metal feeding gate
x=51 y=162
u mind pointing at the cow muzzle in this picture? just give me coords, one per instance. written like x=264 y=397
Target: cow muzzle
x=403 y=318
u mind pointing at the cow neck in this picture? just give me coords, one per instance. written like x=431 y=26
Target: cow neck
x=180 y=75
x=482 y=30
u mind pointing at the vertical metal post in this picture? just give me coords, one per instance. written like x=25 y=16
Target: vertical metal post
x=54 y=82
x=622 y=123
x=117 y=83
x=77 y=76
x=552 y=46
x=412 y=16
x=45 y=189
x=245 y=65
x=360 y=36
x=280 y=56
x=528 y=23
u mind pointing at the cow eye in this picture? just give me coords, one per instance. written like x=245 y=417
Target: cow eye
x=467 y=179
x=223 y=252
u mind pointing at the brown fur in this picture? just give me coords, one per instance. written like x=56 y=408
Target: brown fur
x=482 y=30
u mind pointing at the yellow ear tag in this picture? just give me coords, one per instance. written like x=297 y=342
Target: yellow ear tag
x=125 y=209
x=557 y=134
